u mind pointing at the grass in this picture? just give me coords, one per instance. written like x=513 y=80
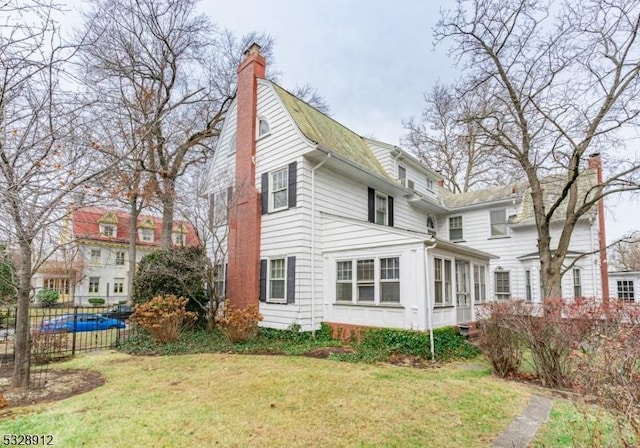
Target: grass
x=263 y=401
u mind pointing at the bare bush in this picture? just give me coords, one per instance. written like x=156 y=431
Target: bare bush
x=164 y=317
x=239 y=324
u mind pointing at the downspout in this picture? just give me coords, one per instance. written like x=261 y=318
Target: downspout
x=429 y=302
x=313 y=244
x=593 y=251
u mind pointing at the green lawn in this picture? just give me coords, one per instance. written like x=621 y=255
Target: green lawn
x=264 y=401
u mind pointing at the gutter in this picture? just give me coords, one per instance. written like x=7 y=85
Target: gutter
x=313 y=244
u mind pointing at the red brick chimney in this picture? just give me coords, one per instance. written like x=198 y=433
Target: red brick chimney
x=595 y=163
x=243 y=269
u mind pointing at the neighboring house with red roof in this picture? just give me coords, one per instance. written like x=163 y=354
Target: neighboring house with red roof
x=101 y=240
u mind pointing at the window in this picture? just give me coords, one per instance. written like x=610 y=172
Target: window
x=498 y=223
x=455 y=228
x=442 y=282
x=179 y=239
x=366 y=273
x=577 y=283
x=429 y=183
x=108 y=230
x=120 y=258
x=94 y=284
x=118 y=285
x=390 y=280
x=146 y=235
x=625 y=290
x=381 y=209
x=402 y=172
x=219 y=280
x=431 y=226
x=344 y=281
x=263 y=127
x=479 y=285
x=57 y=284
x=502 y=286
x=276 y=280
x=96 y=256
x=279 y=189
x=527 y=285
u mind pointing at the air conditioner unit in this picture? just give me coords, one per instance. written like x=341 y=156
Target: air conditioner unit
x=407 y=183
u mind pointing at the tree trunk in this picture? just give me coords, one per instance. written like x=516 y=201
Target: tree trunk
x=168 y=206
x=22 y=340
x=134 y=210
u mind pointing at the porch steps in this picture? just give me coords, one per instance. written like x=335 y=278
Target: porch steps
x=470 y=331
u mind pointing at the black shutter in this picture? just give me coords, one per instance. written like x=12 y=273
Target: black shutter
x=293 y=182
x=390 y=210
x=263 y=280
x=212 y=207
x=291 y=279
x=229 y=197
x=224 y=287
x=371 y=203
x=265 y=193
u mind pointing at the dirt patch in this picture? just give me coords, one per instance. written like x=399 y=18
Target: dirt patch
x=57 y=385
x=324 y=352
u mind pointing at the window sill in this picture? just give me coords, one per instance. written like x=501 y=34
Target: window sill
x=371 y=305
x=499 y=237
x=276 y=302
x=457 y=241
x=263 y=136
x=443 y=307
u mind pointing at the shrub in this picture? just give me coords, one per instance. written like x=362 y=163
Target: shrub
x=378 y=344
x=48 y=346
x=47 y=297
x=181 y=272
x=239 y=324
x=499 y=340
x=96 y=301
x=164 y=317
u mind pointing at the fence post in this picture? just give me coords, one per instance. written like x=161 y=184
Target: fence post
x=75 y=327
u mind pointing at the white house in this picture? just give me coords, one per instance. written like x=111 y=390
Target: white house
x=328 y=226
x=100 y=264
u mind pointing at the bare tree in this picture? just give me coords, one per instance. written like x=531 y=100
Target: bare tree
x=445 y=140
x=44 y=158
x=175 y=71
x=557 y=82
x=625 y=255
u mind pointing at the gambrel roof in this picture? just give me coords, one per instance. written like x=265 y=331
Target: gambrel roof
x=328 y=133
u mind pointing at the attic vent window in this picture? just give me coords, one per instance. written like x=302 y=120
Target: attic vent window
x=263 y=127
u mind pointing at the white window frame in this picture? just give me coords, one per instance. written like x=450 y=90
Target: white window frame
x=94 y=285
x=109 y=230
x=444 y=282
x=503 y=215
x=479 y=283
x=376 y=281
x=577 y=282
x=451 y=221
x=402 y=171
x=431 y=230
x=219 y=280
x=502 y=295
x=381 y=198
x=147 y=235
x=262 y=134
x=273 y=190
x=120 y=258
x=95 y=256
x=344 y=281
x=626 y=290
x=429 y=184
x=118 y=285
x=528 y=286
x=393 y=270
x=271 y=279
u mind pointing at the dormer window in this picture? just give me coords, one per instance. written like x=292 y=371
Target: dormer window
x=263 y=127
x=108 y=230
x=429 y=183
x=146 y=235
x=402 y=172
x=179 y=235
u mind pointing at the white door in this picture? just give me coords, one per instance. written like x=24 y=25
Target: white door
x=463 y=291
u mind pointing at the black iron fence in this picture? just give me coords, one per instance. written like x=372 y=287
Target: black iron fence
x=61 y=332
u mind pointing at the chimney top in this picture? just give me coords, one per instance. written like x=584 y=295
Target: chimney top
x=254 y=49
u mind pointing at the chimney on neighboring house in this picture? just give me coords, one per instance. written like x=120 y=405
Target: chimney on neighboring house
x=243 y=268
x=595 y=163
x=441 y=182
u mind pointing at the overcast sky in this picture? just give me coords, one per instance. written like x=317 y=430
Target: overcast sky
x=370 y=60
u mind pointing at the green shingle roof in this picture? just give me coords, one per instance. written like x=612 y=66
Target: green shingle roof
x=331 y=135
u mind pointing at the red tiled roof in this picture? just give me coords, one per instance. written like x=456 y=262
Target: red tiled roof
x=86 y=226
